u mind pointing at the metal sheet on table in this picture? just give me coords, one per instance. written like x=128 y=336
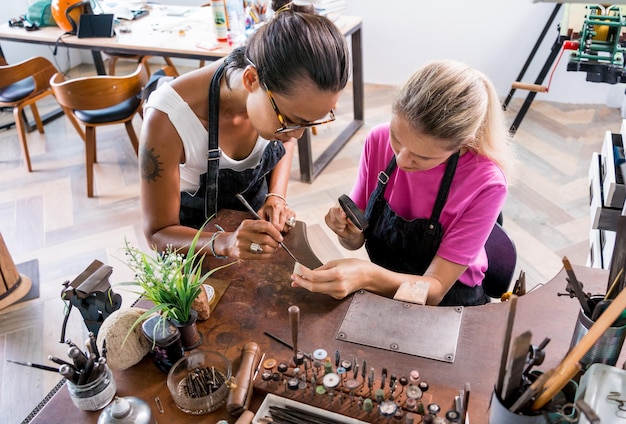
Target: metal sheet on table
x=384 y=323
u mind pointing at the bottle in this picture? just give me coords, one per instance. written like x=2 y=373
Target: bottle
x=219 y=18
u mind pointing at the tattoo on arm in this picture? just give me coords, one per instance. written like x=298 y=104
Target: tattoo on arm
x=150 y=165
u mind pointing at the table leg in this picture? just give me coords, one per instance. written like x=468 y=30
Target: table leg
x=98 y=62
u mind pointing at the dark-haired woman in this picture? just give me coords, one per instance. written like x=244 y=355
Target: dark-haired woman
x=253 y=105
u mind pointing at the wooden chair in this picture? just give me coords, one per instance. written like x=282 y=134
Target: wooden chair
x=22 y=85
x=100 y=100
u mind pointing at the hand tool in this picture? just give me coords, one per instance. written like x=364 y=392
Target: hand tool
x=599 y=308
x=240 y=397
x=32 y=365
x=258 y=368
x=353 y=212
x=516 y=362
x=533 y=390
x=507 y=341
x=284 y=343
x=536 y=356
x=571 y=364
x=294 y=322
x=466 y=398
x=577 y=287
x=256 y=215
x=609 y=292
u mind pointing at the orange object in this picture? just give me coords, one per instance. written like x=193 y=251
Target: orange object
x=59 y=8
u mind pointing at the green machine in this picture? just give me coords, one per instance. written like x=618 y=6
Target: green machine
x=599 y=48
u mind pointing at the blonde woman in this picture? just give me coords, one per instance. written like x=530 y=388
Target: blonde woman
x=432 y=183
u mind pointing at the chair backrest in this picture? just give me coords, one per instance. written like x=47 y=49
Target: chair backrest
x=39 y=68
x=97 y=92
x=502 y=257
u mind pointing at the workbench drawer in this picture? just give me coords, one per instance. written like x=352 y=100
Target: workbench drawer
x=603 y=218
x=612 y=154
x=595 y=252
x=607 y=243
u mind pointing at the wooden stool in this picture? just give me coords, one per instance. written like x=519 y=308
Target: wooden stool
x=13 y=285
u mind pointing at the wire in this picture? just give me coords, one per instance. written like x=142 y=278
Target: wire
x=554 y=69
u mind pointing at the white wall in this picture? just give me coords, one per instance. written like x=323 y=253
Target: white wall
x=495 y=36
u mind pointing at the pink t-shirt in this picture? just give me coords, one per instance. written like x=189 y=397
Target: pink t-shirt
x=476 y=198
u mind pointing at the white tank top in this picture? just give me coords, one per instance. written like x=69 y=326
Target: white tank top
x=195 y=139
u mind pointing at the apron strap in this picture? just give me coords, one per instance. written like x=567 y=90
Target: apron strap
x=442 y=195
x=213 y=152
x=383 y=179
x=444 y=188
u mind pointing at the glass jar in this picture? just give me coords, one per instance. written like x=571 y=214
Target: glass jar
x=96 y=394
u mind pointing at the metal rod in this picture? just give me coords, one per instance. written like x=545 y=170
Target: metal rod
x=38 y=366
x=294 y=322
x=256 y=215
x=284 y=343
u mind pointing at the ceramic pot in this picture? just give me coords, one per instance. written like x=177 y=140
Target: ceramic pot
x=190 y=337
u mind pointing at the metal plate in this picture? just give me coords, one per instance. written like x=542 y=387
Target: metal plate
x=426 y=331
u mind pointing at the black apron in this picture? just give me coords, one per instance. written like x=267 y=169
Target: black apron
x=218 y=187
x=410 y=246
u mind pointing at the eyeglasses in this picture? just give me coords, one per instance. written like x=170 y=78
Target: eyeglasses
x=287 y=128
x=283 y=122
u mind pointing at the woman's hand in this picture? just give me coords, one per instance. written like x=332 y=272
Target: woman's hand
x=349 y=234
x=253 y=239
x=276 y=211
x=336 y=278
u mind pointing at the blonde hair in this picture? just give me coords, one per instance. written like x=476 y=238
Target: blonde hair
x=449 y=100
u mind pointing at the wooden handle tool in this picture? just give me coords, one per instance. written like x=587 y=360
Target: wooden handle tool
x=239 y=398
x=245 y=418
x=571 y=364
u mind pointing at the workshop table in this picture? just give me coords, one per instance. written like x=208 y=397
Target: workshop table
x=257 y=300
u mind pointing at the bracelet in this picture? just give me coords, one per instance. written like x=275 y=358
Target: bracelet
x=219 y=231
x=280 y=196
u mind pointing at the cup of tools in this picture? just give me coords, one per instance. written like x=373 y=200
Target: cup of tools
x=608 y=347
x=94 y=394
x=499 y=414
x=200 y=382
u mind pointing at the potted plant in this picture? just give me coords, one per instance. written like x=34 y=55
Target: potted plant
x=171 y=280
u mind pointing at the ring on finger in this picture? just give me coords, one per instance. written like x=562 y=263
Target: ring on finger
x=291 y=222
x=255 y=248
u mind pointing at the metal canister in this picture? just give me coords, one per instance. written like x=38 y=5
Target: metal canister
x=608 y=347
x=127 y=410
x=166 y=344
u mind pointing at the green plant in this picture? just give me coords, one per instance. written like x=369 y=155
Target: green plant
x=170 y=279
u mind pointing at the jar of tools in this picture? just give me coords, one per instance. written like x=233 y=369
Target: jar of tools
x=94 y=394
